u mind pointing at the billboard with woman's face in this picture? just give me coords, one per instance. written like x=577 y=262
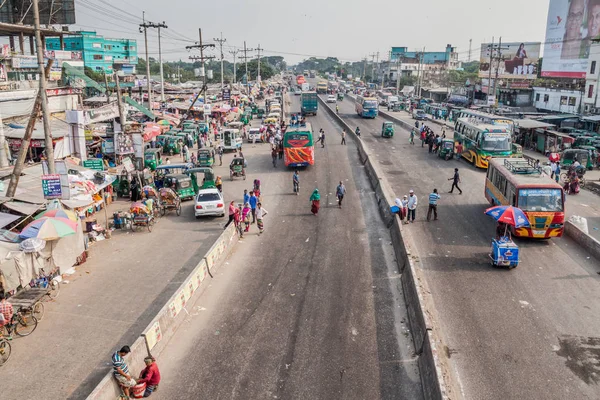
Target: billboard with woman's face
x=571 y=26
x=518 y=60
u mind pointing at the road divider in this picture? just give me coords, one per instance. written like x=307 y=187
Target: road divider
x=163 y=326
x=436 y=381
x=583 y=238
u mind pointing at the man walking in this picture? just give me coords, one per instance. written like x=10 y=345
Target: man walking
x=246 y=196
x=433 y=199
x=220 y=152
x=412 y=206
x=253 y=201
x=232 y=210
x=455 y=181
x=296 y=182
x=260 y=215
x=322 y=139
x=343 y=136
x=340 y=191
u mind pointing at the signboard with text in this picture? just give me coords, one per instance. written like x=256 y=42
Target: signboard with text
x=94 y=163
x=518 y=60
x=51 y=186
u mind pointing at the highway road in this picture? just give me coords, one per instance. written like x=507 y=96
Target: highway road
x=312 y=308
x=529 y=333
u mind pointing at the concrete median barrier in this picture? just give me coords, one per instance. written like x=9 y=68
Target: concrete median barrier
x=583 y=239
x=156 y=336
x=436 y=381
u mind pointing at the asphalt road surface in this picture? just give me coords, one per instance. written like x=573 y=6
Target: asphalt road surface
x=529 y=333
x=311 y=309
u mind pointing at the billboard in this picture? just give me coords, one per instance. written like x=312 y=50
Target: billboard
x=571 y=25
x=518 y=60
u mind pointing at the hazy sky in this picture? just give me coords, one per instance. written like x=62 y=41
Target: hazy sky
x=347 y=29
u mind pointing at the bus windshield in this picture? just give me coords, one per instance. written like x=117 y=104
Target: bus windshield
x=541 y=200
x=370 y=104
x=495 y=142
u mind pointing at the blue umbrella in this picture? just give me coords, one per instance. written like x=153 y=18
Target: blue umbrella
x=509 y=215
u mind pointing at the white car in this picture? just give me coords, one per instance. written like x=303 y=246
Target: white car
x=254 y=135
x=298 y=92
x=331 y=99
x=209 y=202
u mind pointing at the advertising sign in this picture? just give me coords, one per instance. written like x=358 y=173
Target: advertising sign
x=226 y=94
x=22 y=62
x=124 y=144
x=570 y=28
x=94 y=163
x=51 y=186
x=517 y=60
x=104 y=113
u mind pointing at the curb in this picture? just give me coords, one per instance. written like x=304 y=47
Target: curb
x=583 y=239
x=435 y=382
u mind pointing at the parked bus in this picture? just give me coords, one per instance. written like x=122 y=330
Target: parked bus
x=366 y=107
x=482 y=141
x=485 y=118
x=517 y=182
x=322 y=87
x=298 y=146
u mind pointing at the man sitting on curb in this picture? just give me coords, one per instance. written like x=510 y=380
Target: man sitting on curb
x=121 y=370
x=150 y=375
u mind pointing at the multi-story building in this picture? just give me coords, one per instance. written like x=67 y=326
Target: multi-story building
x=431 y=62
x=100 y=53
x=557 y=100
x=591 y=102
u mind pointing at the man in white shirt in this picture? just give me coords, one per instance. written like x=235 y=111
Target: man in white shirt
x=412 y=206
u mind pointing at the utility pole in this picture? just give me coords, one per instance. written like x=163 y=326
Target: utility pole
x=364 y=75
x=246 y=50
x=200 y=46
x=107 y=92
x=499 y=58
x=234 y=54
x=122 y=114
x=25 y=143
x=470 y=44
x=43 y=94
x=145 y=25
x=221 y=41
x=422 y=71
x=149 y=88
x=373 y=66
x=491 y=49
x=258 y=78
x=398 y=65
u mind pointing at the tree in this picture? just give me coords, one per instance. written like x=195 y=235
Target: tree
x=94 y=75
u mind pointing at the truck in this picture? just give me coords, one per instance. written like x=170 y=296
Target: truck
x=309 y=103
x=322 y=87
x=305 y=86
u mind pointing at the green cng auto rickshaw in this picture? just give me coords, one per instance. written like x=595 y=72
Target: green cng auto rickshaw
x=202 y=127
x=260 y=113
x=181 y=184
x=446 y=149
x=387 y=129
x=206 y=157
x=517 y=150
x=208 y=180
x=583 y=156
x=152 y=158
x=340 y=96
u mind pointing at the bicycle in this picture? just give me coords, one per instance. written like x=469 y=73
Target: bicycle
x=23 y=323
x=47 y=281
x=5 y=350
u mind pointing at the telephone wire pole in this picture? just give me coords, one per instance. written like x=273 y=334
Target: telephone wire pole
x=221 y=41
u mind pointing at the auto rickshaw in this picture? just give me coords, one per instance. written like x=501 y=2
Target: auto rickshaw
x=172 y=169
x=152 y=158
x=517 y=150
x=208 y=180
x=446 y=149
x=172 y=145
x=340 y=96
x=206 y=157
x=260 y=112
x=123 y=185
x=582 y=155
x=387 y=129
x=237 y=168
x=181 y=184
x=161 y=139
x=397 y=106
x=202 y=127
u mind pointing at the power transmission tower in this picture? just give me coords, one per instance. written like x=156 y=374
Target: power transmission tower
x=221 y=41
x=202 y=59
x=234 y=54
x=258 y=78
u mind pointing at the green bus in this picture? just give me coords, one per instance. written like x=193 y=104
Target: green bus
x=482 y=141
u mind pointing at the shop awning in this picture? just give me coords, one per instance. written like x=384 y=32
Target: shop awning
x=531 y=124
x=6 y=219
x=23 y=208
x=591 y=118
x=139 y=107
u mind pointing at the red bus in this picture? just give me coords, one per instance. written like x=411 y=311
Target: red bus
x=298 y=146
x=517 y=182
x=300 y=79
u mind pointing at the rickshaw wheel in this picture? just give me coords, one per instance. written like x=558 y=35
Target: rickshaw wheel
x=150 y=223
x=163 y=210
x=178 y=211
x=133 y=226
